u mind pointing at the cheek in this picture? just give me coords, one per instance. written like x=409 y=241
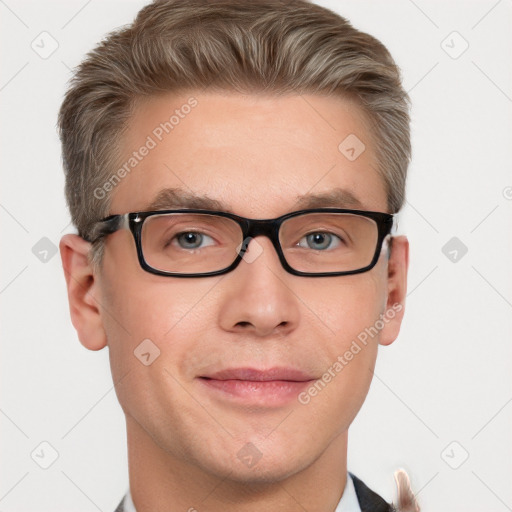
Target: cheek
x=166 y=319
x=157 y=309
x=347 y=305
x=350 y=308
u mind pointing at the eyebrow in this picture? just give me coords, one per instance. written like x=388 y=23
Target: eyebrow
x=336 y=197
x=170 y=198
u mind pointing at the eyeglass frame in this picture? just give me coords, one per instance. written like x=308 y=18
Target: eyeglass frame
x=250 y=228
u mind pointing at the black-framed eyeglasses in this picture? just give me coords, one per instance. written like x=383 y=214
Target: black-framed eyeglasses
x=199 y=243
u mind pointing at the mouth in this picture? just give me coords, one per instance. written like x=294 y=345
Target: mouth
x=265 y=388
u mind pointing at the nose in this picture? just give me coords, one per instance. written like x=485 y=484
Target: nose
x=257 y=295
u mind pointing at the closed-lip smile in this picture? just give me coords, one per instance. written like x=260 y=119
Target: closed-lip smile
x=254 y=374
x=265 y=388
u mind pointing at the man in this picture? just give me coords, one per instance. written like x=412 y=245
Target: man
x=232 y=169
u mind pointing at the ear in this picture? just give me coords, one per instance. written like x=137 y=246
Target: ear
x=83 y=292
x=398 y=265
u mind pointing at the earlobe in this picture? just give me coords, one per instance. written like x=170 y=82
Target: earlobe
x=83 y=292
x=398 y=265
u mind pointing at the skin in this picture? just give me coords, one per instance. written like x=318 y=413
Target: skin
x=256 y=154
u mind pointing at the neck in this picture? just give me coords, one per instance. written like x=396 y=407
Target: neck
x=161 y=481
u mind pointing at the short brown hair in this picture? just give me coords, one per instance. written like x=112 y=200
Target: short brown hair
x=269 y=46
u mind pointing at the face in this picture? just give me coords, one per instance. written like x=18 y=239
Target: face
x=202 y=399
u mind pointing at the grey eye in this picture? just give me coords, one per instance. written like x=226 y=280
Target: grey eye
x=192 y=240
x=319 y=241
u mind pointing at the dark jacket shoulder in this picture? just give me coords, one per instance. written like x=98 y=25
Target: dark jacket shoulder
x=120 y=507
x=370 y=501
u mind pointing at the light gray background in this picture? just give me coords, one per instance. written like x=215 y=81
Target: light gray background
x=441 y=391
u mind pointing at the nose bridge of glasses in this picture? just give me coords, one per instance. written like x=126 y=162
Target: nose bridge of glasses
x=260 y=227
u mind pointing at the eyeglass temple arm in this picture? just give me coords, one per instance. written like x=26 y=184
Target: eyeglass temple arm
x=108 y=226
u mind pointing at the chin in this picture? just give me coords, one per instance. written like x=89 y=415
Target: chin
x=249 y=466
x=262 y=473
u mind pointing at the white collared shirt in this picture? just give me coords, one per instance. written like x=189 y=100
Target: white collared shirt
x=348 y=502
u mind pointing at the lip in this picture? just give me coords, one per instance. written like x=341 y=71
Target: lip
x=264 y=388
x=255 y=375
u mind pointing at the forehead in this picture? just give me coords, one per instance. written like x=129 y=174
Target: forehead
x=254 y=155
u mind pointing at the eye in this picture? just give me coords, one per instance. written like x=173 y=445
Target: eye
x=191 y=240
x=320 y=241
